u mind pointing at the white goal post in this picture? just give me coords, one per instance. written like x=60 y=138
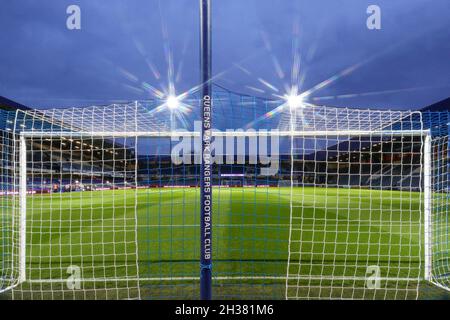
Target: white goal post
x=22 y=208
x=427 y=191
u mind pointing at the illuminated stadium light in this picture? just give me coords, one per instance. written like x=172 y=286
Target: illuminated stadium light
x=295 y=101
x=172 y=102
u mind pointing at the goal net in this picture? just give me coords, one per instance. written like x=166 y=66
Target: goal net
x=357 y=210
x=308 y=202
x=437 y=269
x=9 y=236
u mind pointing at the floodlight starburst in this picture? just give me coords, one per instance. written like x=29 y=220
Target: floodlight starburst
x=294 y=101
x=172 y=102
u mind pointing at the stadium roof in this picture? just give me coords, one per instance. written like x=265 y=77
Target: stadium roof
x=9 y=105
x=443 y=105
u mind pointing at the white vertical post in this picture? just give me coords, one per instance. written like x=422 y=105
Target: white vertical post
x=22 y=207
x=427 y=207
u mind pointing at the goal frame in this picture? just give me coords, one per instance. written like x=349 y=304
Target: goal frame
x=427 y=173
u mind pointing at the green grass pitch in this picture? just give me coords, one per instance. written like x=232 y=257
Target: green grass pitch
x=337 y=233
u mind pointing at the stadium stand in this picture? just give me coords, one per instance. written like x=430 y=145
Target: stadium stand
x=355 y=163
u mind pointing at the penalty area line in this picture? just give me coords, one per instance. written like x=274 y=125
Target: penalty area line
x=224 y=278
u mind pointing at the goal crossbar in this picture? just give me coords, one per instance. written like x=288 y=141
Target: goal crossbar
x=237 y=133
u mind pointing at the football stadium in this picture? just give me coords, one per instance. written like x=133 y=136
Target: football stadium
x=216 y=193
x=95 y=207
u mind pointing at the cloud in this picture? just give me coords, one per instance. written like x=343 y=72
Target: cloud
x=123 y=44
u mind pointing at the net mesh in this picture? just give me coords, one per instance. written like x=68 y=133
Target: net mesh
x=440 y=222
x=311 y=202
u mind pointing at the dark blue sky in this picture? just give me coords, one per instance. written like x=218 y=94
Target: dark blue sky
x=124 y=44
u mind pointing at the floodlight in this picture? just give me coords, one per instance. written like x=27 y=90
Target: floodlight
x=172 y=102
x=295 y=101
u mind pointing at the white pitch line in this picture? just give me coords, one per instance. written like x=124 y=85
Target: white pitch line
x=219 y=278
x=246 y=225
x=287 y=225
